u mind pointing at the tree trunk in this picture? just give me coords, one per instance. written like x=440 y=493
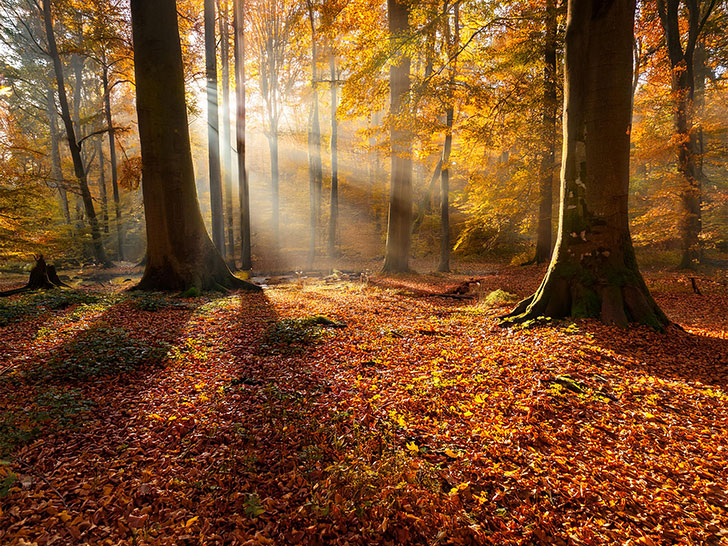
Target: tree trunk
x=180 y=254
x=686 y=137
x=315 y=168
x=243 y=190
x=78 y=166
x=334 y=206
x=112 y=161
x=452 y=41
x=102 y=187
x=548 y=154
x=227 y=166
x=593 y=271
x=399 y=224
x=213 y=134
x=56 y=170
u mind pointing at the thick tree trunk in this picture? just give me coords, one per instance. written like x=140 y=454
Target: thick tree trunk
x=55 y=152
x=548 y=155
x=243 y=190
x=334 y=205
x=75 y=149
x=227 y=166
x=112 y=161
x=213 y=133
x=593 y=272
x=180 y=254
x=399 y=224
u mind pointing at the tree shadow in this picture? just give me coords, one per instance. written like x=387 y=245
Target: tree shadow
x=138 y=419
x=675 y=354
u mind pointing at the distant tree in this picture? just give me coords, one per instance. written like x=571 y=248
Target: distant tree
x=548 y=135
x=400 y=198
x=74 y=144
x=213 y=129
x=687 y=137
x=180 y=254
x=225 y=138
x=593 y=271
x=243 y=190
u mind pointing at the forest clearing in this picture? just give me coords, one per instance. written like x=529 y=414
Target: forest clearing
x=355 y=272
x=405 y=417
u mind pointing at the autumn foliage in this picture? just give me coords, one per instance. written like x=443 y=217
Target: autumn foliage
x=342 y=412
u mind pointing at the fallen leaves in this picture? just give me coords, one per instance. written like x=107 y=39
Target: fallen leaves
x=418 y=422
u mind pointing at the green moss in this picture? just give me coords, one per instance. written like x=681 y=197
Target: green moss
x=499 y=297
x=191 y=292
x=585 y=303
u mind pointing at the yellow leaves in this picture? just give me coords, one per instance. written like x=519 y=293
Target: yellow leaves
x=412 y=447
x=65 y=516
x=459 y=488
x=155 y=417
x=191 y=521
x=450 y=453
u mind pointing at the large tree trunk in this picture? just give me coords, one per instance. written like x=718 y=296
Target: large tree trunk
x=112 y=161
x=548 y=155
x=243 y=190
x=180 y=254
x=334 y=205
x=78 y=166
x=213 y=134
x=400 y=200
x=56 y=170
x=593 y=272
x=227 y=165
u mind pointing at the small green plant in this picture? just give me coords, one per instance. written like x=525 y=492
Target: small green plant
x=252 y=506
x=99 y=351
x=8 y=479
x=192 y=292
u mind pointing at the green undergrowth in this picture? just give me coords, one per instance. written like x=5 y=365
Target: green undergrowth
x=99 y=351
x=33 y=303
x=52 y=408
x=288 y=336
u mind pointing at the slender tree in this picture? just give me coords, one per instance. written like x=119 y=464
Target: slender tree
x=180 y=254
x=74 y=146
x=687 y=139
x=225 y=138
x=112 y=161
x=548 y=128
x=315 y=168
x=334 y=204
x=452 y=41
x=593 y=271
x=400 y=196
x=213 y=129
x=55 y=153
x=243 y=190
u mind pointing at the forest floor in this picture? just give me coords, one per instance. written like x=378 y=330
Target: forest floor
x=372 y=411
